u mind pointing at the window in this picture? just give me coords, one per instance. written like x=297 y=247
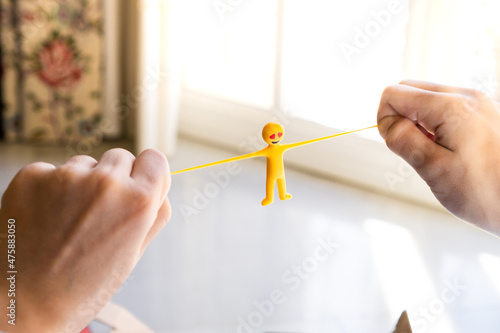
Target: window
x=319 y=67
x=338 y=56
x=232 y=55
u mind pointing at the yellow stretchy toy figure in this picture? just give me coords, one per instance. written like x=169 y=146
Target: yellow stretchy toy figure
x=272 y=134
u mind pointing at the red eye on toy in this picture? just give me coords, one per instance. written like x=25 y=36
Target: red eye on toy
x=272 y=137
x=280 y=135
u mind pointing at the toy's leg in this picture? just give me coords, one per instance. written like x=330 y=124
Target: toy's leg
x=269 y=192
x=282 y=189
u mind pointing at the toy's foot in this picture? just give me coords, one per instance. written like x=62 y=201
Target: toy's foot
x=267 y=201
x=286 y=197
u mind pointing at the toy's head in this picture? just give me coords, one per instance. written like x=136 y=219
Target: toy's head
x=273 y=133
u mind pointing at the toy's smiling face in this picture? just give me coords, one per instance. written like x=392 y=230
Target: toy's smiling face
x=273 y=133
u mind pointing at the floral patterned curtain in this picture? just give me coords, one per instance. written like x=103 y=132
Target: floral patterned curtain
x=51 y=69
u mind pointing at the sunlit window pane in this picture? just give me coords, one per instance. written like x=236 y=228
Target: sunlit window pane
x=229 y=49
x=339 y=56
x=455 y=43
x=335 y=57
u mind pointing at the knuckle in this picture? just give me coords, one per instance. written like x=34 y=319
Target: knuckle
x=106 y=180
x=439 y=165
x=109 y=185
x=456 y=107
x=438 y=171
x=158 y=157
x=457 y=101
x=395 y=138
x=389 y=90
x=63 y=180
x=155 y=152
x=480 y=95
x=80 y=158
x=32 y=174
x=141 y=198
x=417 y=158
x=66 y=174
x=35 y=169
x=120 y=151
x=138 y=201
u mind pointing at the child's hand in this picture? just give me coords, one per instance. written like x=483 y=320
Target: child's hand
x=451 y=136
x=79 y=230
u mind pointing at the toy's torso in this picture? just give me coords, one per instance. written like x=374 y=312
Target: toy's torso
x=274 y=157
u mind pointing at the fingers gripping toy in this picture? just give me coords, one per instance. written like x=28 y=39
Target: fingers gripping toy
x=273 y=134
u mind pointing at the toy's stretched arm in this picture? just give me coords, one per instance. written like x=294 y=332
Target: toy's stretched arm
x=262 y=152
x=297 y=144
x=237 y=158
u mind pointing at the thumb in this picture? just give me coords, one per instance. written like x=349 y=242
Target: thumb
x=405 y=139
